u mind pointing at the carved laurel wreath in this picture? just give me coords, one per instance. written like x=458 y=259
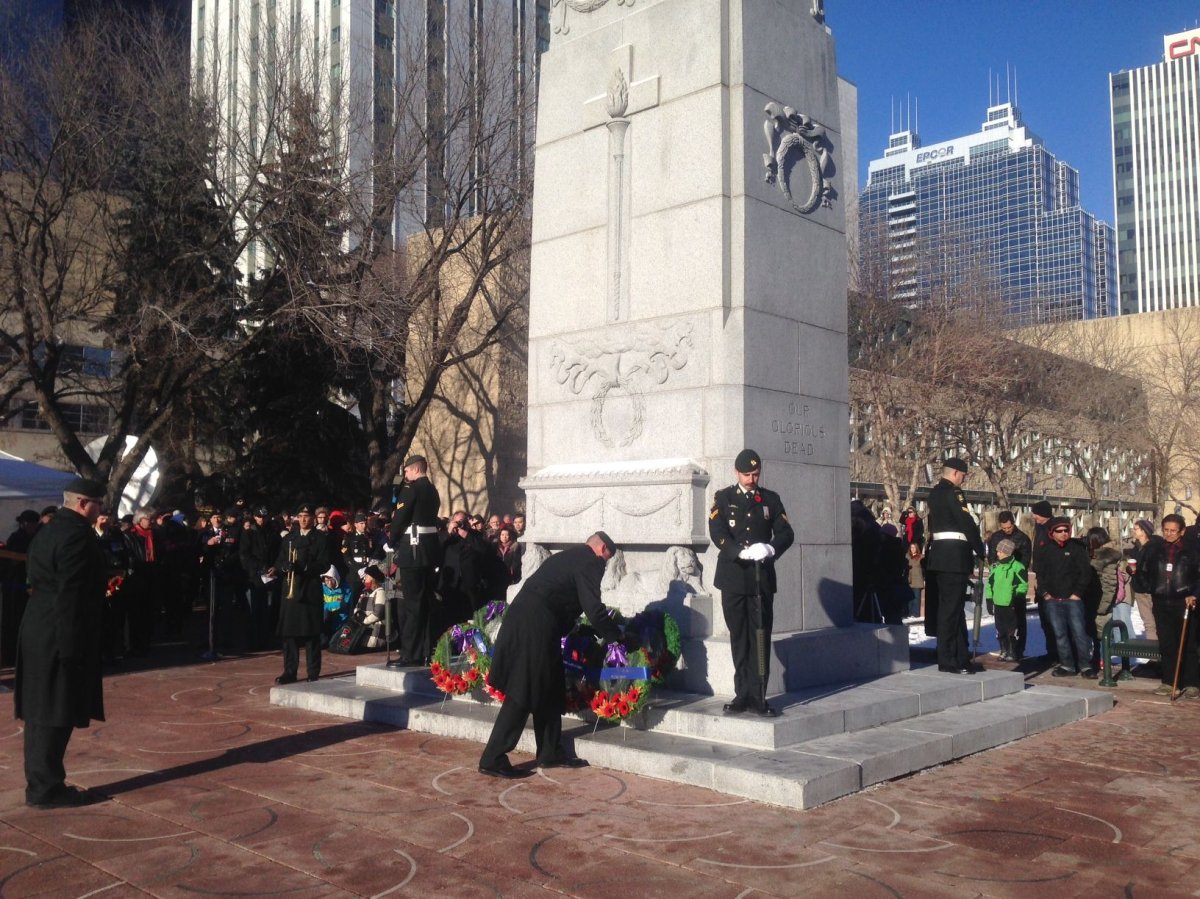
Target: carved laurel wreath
x=790 y=135
x=785 y=162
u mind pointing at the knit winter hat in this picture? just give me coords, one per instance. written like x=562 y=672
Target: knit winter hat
x=1146 y=525
x=1006 y=546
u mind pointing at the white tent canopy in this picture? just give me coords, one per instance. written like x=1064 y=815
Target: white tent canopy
x=27 y=485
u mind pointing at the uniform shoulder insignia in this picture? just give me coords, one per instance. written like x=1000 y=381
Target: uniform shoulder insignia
x=714 y=512
x=399 y=505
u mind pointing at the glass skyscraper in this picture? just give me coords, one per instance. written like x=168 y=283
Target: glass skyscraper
x=993 y=211
x=1156 y=169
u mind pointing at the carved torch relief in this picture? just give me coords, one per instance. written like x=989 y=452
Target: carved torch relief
x=792 y=138
x=618 y=368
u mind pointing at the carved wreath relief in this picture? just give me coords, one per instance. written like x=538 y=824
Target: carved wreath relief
x=621 y=366
x=792 y=136
x=581 y=6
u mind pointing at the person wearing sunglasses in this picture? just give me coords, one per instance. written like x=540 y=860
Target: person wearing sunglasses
x=1064 y=574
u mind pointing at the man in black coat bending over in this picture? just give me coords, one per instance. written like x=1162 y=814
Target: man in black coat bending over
x=414 y=538
x=954 y=542
x=750 y=529
x=528 y=668
x=58 y=649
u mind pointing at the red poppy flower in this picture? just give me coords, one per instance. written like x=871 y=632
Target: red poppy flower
x=758 y=497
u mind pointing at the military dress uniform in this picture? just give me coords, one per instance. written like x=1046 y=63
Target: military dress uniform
x=738 y=519
x=954 y=541
x=414 y=540
x=304 y=557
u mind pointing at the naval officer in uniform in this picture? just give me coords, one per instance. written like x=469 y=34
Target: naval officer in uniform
x=750 y=529
x=414 y=537
x=954 y=542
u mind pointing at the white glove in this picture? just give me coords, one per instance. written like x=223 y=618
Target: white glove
x=371 y=619
x=757 y=552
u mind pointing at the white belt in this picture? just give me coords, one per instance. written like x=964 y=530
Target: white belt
x=414 y=532
x=949 y=535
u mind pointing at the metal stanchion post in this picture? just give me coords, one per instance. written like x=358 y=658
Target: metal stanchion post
x=211 y=654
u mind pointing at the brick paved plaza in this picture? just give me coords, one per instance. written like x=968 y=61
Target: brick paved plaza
x=215 y=792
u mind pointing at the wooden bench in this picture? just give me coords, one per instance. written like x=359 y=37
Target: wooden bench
x=1126 y=649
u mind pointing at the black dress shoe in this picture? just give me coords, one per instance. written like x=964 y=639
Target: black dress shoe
x=564 y=761
x=508 y=772
x=285 y=679
x=765 y=711
x=313 y=677
x=1060 y=671
x=403 y=663
x=736 y=707
x=952 y=669
x=67 y=797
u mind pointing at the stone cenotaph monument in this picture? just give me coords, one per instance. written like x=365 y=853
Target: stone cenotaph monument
x=688 y=300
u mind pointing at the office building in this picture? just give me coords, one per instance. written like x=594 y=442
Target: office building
x=993 y=212
x=354 y=54
x=1156 y=167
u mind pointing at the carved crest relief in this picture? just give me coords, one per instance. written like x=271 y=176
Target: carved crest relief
x=792 y=138
x=617 y=368
x=562 y=26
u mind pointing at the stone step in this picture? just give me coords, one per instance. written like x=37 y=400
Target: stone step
x=803 y=774
x=808 y=714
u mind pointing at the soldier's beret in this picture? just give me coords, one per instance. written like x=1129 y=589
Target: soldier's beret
x=747 y=461
x=84 y=487
x=360 y=516
x=304 y=507
x=955 y=464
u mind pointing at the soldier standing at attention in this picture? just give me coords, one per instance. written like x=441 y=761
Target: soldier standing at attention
x=303 y=557
x=414 y=538
x=954 y=541
x=750 y=529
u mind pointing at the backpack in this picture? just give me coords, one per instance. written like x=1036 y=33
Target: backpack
x=350 y=639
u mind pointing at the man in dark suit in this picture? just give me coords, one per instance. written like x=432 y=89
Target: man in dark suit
x=304 y=557
x=414 y=538
x=527 y=667
x=58 y=678
x=750 y=529
x=954 y=542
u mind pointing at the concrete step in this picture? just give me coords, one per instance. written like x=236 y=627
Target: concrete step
x=808 y=714
x=802 y=774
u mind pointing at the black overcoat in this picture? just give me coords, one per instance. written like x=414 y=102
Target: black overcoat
x=303 y=615
x=58 y=650
x=527 y=666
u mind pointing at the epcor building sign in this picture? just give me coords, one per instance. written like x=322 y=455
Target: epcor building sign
x=1177 y=46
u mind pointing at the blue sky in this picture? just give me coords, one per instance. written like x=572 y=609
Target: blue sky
x=938 y=52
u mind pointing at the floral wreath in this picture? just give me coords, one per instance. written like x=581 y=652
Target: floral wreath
x=462 y=657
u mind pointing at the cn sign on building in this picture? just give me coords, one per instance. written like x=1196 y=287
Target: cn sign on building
x=1156 y=165
x=1177 y=46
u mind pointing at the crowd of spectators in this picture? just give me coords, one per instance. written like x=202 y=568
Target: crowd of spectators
x=1078 y=584
x=168 y=568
